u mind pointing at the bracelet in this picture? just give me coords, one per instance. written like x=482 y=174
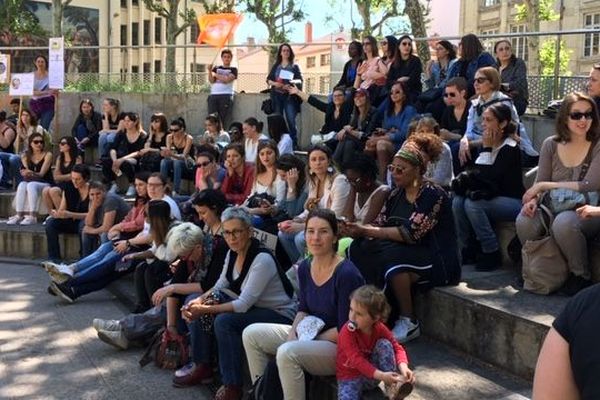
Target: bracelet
x=128 y=243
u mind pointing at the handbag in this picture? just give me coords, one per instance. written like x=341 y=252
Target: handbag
x=562 y=199
x=544 y=268
x=267 y=107
x=170 y=350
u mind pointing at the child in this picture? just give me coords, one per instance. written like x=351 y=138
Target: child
x=367 y=351
x=440 y=171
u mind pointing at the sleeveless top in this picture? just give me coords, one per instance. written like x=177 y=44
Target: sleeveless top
x=361 y=212
x=37 y=167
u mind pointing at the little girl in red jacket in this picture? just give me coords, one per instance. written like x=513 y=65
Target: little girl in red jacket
x=367 y=352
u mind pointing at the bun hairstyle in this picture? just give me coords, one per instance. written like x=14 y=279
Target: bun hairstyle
x=180 y=122
x=430 y=145
x=503 y=113
x=214 y=119
x=256 y=124
x=373 y=300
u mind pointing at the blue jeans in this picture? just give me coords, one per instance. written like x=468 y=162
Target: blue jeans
x=11 y=164
x=294 y=244
x=283 y=104
x=56 y=226
x=96 y=271
x=228 y=328
x=46 y=118
x=479 y=216
x=177 y=167
x=104 y=141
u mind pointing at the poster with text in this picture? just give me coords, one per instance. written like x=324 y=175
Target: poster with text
x=21 y=85
x=4 y=68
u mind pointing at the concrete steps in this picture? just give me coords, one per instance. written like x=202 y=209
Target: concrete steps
x=488 y=318
x=29 y=242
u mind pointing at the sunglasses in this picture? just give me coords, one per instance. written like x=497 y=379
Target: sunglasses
x=395 y=168
x=174 y=130
x=481 y=80
x=405 y=44
x=577 y=116
x=450 y=94
x=203 y=164
x=37 y=141
x=503 y=48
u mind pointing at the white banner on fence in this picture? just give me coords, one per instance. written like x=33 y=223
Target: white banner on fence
x=56 y=69
x=21 y=85
x=4 y=68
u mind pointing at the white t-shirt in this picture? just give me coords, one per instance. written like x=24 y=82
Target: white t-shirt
x=285 y=145
x=251 y=148
x=220 y=87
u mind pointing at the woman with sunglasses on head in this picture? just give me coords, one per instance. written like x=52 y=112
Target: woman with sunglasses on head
x=150 y=157
x=124 y=153
x=562 y=164
x=86 y=126
x=372 y=72
x=414 y=244
x=37 y=174
x=478 y=209
x=513 y=74
x=407 y=68
x=487 y=91
x=178 y=155
x=280 y=79
x=66 y=160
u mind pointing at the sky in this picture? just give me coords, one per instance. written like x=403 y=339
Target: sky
x=443 y=12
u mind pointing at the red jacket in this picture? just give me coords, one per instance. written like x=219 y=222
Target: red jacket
x=354 y=351
x=237 y=188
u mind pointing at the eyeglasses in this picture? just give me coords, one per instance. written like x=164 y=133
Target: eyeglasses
x=405 y=44
x=503 y=48
x=396 y=168
x=174 y=130
x=234 y=234
x=481 y=80
x=203 y=164
x=37 y=141
x=450 y=94
x=577 y=116
x=63 y=143
x=384 y=42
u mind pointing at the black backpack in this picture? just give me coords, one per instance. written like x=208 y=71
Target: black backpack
x=268 y=386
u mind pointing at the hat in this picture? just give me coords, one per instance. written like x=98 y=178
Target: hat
x=411 y=152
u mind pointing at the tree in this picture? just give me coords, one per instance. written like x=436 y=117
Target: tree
x=369 y=8
x=170 y=13
x=275 y=15
x=218 y=6
x=532 y=12
x=417 y=13
x=547 y=56
x=58 y=7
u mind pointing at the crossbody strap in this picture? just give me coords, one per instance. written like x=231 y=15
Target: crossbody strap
x=587 y=160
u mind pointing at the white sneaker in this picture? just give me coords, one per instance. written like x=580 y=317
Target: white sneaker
x=405 y=330
x=14 y=220
x=29 y=220
x=106 y=324
x=47 y=219
x=67 y=269
x=130 y=191
x=114 y=338
x=113 y=188
x=185 y=370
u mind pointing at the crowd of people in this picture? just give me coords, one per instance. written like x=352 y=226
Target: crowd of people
x=401 y=187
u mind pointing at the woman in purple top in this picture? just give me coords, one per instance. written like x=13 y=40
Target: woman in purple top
x=325 y=283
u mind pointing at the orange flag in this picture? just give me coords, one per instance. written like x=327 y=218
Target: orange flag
x=216 y=29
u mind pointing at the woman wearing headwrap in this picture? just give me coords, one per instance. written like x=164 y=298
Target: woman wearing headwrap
x=414 y=244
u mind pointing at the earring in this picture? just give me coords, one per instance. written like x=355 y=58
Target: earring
x=415 y=182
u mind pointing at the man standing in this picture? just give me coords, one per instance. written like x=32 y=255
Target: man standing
x=221 y=91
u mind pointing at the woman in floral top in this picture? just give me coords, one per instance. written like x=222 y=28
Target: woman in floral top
x=414 y=243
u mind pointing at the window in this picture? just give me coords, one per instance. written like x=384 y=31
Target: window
x=147 y=68
x=311 y=62
x=135 y=2
x=135 y=69
x=488 y=44
x=146 y=32
x=310 y=85
x=490 y=3
x=135 y=30
x=591 y=46
x=123 y=3
x=158 y=30
x=324 y=83
x=325 y=59
x=157 y=66
x=123 y=35
x=519 y=44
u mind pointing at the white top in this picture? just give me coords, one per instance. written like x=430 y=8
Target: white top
x=251 y=148
x=276 y=189
x=219 y=87
x=361 y=212
x=285 y=145
x=335 y=195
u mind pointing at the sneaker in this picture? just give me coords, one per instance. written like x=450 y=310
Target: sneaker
x=58 y=272
x=185 y=370
x=106 y=324
x=29 y=220
x=51 y=291
x=114 y=338
x=113 y=188
x=47 y=219
x=130 y=191
x=398 y=390
x=48 y=265
x=14 y=220
x=63 y=291
x=201 y=374
x=67 y=269
x=405 y=330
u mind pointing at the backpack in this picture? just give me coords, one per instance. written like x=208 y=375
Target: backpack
x=267 y=386
x=170 y=351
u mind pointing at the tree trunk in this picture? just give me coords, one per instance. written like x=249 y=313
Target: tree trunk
x=57 y=17
x=364 y=10
x=414 y=11
x=171 y=27
x=533 y=42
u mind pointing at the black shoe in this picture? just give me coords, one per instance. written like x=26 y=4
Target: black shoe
x=468 y=256
x=489 y=261
x=574 y=285
x=51 y=291
x=63 y=291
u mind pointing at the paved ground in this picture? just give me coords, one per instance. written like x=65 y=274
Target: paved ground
x=49 y=350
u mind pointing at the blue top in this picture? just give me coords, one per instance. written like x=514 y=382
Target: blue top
x=330 y=301
x=400 y=122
